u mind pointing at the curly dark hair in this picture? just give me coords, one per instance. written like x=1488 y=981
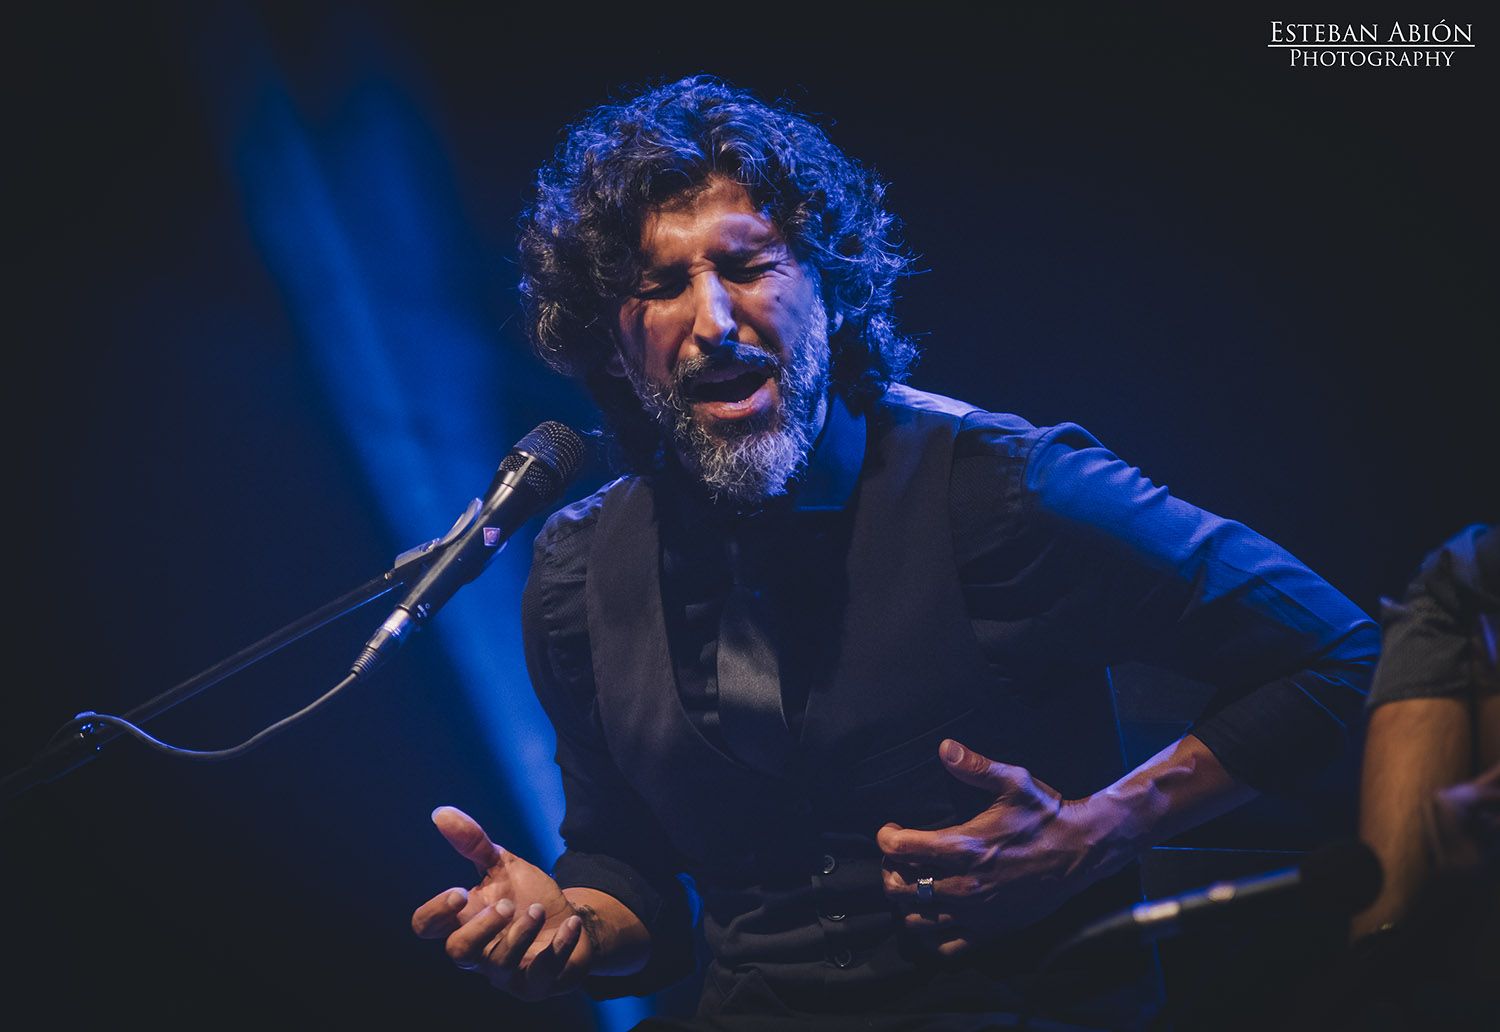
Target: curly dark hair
x=579 y=240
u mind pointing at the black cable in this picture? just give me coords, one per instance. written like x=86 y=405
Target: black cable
x=82 y=721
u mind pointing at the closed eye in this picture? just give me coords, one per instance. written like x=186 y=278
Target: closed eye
x=746 y=273
x=664 y=289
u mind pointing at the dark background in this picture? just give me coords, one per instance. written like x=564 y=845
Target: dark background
x=1272 y=288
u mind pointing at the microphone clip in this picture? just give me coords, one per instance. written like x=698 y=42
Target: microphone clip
x=416 y=559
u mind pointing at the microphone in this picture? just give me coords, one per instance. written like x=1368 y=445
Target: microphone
x=531 y=476
x=1334 y=880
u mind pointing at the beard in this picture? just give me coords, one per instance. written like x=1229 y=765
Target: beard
x=748 y=461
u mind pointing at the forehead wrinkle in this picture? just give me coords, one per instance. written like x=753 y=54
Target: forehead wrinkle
x=738 y=228
x=727 y=248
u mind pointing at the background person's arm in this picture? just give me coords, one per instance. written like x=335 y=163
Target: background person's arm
x=1413 y=748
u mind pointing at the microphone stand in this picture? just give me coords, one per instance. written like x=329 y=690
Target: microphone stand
x=84 y=742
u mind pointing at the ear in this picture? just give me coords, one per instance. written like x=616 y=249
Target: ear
x=836 y=323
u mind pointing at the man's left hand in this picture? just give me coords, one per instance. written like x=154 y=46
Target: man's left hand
x=1009 y=866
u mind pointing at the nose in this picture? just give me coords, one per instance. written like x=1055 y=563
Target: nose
x=713 y=311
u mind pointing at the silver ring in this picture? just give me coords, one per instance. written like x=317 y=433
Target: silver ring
x=924 y=888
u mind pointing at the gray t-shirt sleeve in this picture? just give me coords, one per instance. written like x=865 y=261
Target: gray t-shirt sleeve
x=1431 y=642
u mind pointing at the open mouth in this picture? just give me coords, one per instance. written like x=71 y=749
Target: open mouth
x=736 y=387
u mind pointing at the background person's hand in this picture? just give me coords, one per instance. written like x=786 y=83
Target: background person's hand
x=516 y=928
x=1461 y=827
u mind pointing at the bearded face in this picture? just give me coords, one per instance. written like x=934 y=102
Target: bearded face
x=750 y=459
x=725 y=342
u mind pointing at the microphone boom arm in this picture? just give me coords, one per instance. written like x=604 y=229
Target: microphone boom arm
x=84 y=742
x=531 y=475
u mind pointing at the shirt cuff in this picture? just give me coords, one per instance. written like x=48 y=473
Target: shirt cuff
x=1278 y=737
x=663 y=904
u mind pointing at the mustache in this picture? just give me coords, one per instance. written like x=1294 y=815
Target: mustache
x=728 y=355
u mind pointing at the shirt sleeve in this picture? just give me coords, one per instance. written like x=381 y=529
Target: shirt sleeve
x=613 y=842
x=1431 y=636
x=1151 y=578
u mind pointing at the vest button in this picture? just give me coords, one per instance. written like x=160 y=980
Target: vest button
x=833 y=917
x=843 y=958
x=829 y=864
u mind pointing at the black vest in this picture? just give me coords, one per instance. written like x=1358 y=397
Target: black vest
x=786 y=864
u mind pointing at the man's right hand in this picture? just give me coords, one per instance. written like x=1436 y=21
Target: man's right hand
x=516 y=928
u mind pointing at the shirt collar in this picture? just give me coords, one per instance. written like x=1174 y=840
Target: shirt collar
x=833 y=468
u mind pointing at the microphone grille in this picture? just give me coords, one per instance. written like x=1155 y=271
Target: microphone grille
x=558 y=451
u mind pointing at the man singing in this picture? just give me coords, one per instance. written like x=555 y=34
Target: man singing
x=830 y=663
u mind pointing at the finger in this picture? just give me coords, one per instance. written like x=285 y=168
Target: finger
x=948 y=940
x=980 y=771
x=505 y=951
x=954 y=945
x=465 y=835
x=439 y=915
x=946 y=849
x=930 y=920
x=901 y=887
x=466 y=946
x=543 y=971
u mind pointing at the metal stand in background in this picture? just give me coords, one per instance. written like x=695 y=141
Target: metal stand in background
x=85 y=742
